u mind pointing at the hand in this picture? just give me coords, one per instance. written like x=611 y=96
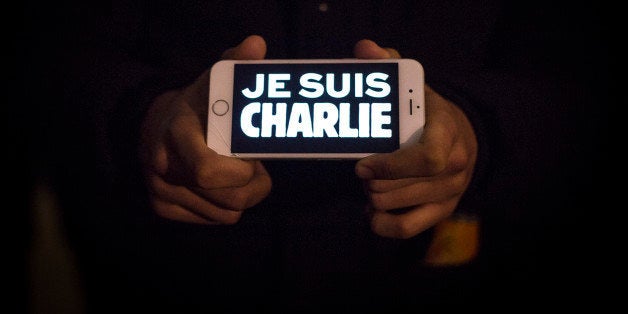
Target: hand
x=414 y=188
x=188 y=181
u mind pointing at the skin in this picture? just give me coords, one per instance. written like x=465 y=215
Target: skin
x=409 y=190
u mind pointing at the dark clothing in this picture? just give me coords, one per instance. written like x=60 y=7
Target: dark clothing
x=521 y=72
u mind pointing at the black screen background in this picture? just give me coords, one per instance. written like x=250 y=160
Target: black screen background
x=244 y=76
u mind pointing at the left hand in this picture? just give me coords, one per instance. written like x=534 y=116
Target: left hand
x=414 y=188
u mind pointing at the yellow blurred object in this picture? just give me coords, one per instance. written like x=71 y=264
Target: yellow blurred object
x=54 y=280
x=456 y=242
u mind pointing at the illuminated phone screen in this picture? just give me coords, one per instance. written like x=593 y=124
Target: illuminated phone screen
x=315 y=108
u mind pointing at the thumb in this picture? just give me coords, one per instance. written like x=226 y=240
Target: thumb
x=368 y=49
x=208 y=169
x=186 y=134
x=251 y=48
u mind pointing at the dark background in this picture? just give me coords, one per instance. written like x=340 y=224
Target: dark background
x=562 y=251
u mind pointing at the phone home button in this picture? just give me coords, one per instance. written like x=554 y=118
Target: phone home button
x=220 y=107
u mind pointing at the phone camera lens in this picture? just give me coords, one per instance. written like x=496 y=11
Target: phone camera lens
x=410 y=90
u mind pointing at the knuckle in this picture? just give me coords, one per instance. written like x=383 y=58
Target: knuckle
x=436 y=161
x=459 y=161
x=237 y=200
x=203 y=175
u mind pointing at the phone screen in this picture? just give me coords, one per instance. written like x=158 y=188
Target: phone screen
x=315 y=108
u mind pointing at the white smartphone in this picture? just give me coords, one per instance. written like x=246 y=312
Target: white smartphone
x=314 y=108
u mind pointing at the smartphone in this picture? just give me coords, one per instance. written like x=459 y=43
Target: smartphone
x=314 y=108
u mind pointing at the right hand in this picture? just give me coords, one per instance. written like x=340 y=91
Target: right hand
x=188 y=181
x=419 y=186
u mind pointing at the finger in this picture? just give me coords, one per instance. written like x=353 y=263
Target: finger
x=432 y=191
x=458 y=161
x=394 y=54
x=207 y=169
x=418 y=160
x=381 y=186
x=251 y=48
x=243 y=197
x=368 y=49
x=184 y=198
x=175 y=212
x=428 y=157
x=412 y=222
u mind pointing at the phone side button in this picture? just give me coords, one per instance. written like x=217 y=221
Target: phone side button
x=220 y=107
